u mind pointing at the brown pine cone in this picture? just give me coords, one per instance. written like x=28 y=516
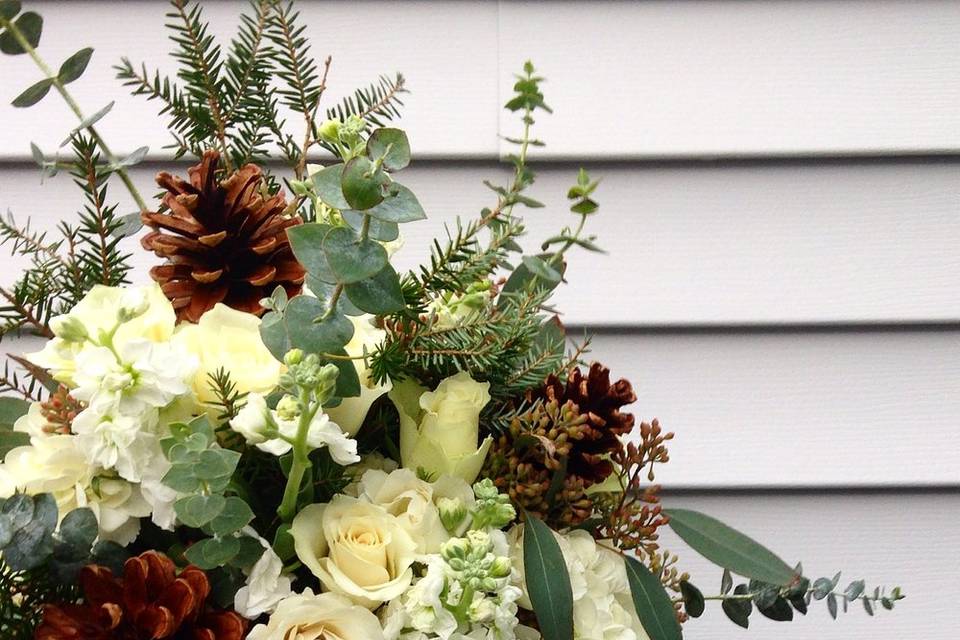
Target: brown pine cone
x=599 y=402
x=223 y=240
x=150 y=602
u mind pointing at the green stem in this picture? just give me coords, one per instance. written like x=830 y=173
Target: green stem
x=300 y=463
x=62 y=90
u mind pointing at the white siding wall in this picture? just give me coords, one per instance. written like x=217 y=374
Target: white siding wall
x=781 y=202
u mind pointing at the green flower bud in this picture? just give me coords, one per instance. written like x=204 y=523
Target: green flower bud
x=133 y=304
x=330 y=131
x=293 y=357
x=500 y=567
x=455 y=548
x=480 y=543
x=485 y=490
x=452 y=513
x=288 y=408
x=68 y=328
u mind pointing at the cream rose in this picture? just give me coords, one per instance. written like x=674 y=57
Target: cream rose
x=439 y=429
x=414 y=502
x=145 y=313
x=229 y=339
x=326 y=616
x=356 y=549
x=351 y=412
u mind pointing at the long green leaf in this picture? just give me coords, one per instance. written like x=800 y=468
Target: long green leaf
x=652 y=603
x=728 y=548
x=548 y=583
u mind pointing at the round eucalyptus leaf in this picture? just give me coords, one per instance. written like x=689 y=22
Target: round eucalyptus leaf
x=399 y=206
x=306 y=241
x=9 y=9
x=392 y=145
x=350 y=258
x=327 y=184
x=29 y=24
x=212 y=553
x=360 y=184
x=197 y=510
x=378 y=295
x=79 y=529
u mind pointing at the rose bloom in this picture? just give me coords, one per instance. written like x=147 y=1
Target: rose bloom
x=326 y=616
x=356 y=549
x=351 y=412
x=439 y=429
x=414 y=502
x=229 y=339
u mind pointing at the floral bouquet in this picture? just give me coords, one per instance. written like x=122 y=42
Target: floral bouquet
x=283 y=437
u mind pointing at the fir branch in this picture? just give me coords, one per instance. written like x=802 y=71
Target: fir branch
x=13 y=382
x=377 y=103
x=295 y=65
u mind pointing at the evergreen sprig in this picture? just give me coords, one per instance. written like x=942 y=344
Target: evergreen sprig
x=376 y=103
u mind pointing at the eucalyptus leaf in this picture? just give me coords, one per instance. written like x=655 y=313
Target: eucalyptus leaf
x=547 y=581
x=6 y=531
x=352 y=259
x=400 y=206
x=306 y=241
x=74 y=66
x=652 y=603
x=11 y=409
x=18 y=510
x=738 y=610
x=198 y=510
x=216 y=463
x=728 y=548
x=130 y=224
x=379 y=229
x=693 y=602
x=539 y=267
x=831 y=606
x=87 y=122
x=250 y=551
x=182 y=478
x=136 y=157
x=392 y=145
x=296 y=328
x=348 y=382
x=378 y=295
x=326 y=182
x=778 y=610
x=79 y=529
x=33 y=94
x=9 y=9
x=29 y=24
x=236 y=514
x=212 y=552
x=360 y=184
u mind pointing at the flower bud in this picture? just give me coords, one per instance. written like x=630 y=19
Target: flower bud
x=288 y=409
x=452 y=513
x=293 y=357
x=133 y=304
x=500 y=567
x=480 y=542
x=68 y=328
x=455 y=549
x=330 y=131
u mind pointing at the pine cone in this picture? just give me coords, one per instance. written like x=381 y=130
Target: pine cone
x=577 y=424
x=600 y=402
x=150 y=602
x=223 y=240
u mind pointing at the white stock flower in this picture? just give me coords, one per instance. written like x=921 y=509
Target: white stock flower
x=351 y=412
x=326 y=616
x=265 y=587
x=127 y=444
x=251 y=420
x=356 y=549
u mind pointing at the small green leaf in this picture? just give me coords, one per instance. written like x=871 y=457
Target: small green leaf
x=738 y=610
x=18 y=510
x=74 y=66
x=547 y=581
x=539 y=267
x=652 y=603
x=6 y=531
x=399 y=206
x=296 y=327
x=87 y=122
x=361 y=184
x=378 y=295
x=250 y=551
x=585 y=207
x=778 y=610
x=348 y=382
x=10 y=440
x=33 y=94
x=728 y=548
x=32 y=543
x=283 y=544
x=236 y=514
x=831 y=606
x=182 y=478
x=854 y=590
x=867 y=605
x=822 y=588
x=196 y=511
x=79 y=529
x=379 y=229
x=726 y=582
x=350 y=258
x=306 y=241
x=216 y=463
x=326 y=182
x=212 y=552
x=392 y=145
x=136 y=157
x=9 y=9
x=130 y=224
x=30 y=25
x=693 y=602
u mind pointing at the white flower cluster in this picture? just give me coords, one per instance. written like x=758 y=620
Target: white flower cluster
x=602 y=605
x=121 y=355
